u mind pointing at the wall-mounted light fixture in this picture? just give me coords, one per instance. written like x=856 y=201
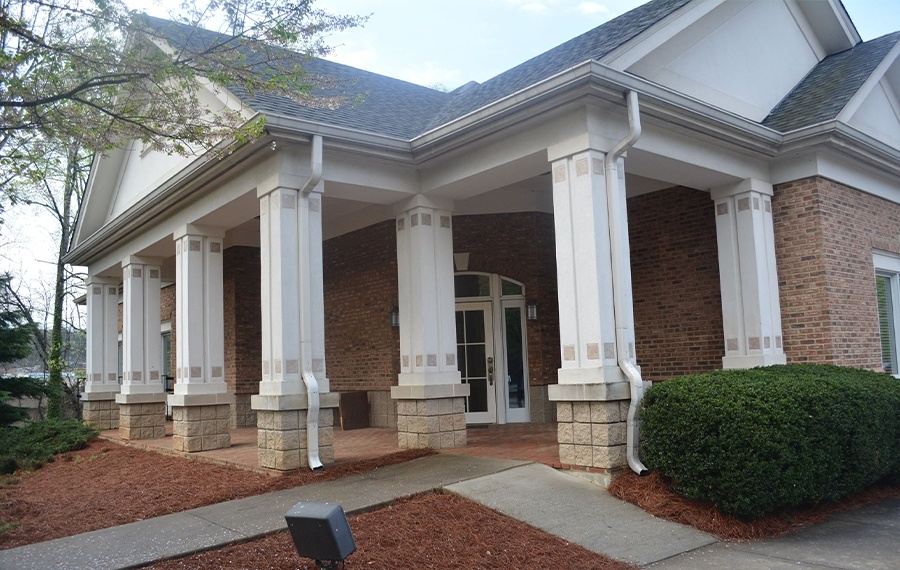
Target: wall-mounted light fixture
x=531 y=311
x=395 y=317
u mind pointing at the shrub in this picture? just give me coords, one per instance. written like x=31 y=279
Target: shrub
x=770 y=439
x=36 y=443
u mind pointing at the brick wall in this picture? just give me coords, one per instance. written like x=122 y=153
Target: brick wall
x=360 y=274
x=675 y=283
x=243 y=321
x=824 y=236
x=521 y=246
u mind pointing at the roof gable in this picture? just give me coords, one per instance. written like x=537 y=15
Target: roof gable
x=827 y=89
x=743 y=57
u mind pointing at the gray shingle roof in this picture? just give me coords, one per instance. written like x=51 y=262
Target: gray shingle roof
x=827 y=89
x=397 y=108
x=388 y=106
x=591 y=45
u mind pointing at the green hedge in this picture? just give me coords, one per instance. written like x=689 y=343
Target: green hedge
x=770 y=439
x=35 y=443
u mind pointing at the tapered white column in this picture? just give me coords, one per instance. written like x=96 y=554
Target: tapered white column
x=428 y=368
x=142 y=399
x=751 y=313
x=141 y=340
x=101 y=382
x=587 y=320
x=293 y=329
x=593 y=393
x=201 y=404
x=199 y=317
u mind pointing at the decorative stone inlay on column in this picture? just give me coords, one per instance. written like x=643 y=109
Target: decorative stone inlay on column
x=142 y=421
x=438 y=423
x=201 y=428
x=281 y=438
x=102 y=414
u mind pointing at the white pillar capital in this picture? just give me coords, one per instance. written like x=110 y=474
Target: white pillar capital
x=198 y=230
x=423 y=201
x=751 y=312
x=744 y=186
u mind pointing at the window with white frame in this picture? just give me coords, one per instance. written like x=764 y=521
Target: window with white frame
x=887 y=292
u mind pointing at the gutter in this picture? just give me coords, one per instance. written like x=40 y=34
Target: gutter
x=312 y=385
x=621 y=274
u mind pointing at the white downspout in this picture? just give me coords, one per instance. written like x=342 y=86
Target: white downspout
x=312 y=385
x=621 y=280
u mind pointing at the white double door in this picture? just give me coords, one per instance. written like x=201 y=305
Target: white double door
x=492 y=361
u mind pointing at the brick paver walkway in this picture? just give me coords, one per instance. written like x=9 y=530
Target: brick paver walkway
x=528 y=442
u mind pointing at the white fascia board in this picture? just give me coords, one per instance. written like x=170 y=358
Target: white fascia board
x=860 y=96
x=335 y=136
x=608 y=84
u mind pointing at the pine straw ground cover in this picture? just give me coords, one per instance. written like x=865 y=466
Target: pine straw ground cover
x=108 y=484
x=435 y=530
x=653 y=494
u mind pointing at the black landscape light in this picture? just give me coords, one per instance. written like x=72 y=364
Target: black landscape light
x=320 y=531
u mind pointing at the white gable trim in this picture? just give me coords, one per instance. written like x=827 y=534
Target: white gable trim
x=863 y=92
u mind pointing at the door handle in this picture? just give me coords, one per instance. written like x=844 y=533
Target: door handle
x=491 y=370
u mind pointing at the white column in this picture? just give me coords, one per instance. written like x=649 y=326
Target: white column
x=428 y=367
x=293 y=304
x=587 y=320
x=141 y=341
x=102 y=367
x=200 y=340
x=751 y=312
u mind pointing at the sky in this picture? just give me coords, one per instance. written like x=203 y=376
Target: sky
x=451 y=42
x=442 y=43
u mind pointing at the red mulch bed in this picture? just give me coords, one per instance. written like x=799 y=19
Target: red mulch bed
x=108 y=484
x=435 y=530
x=654 y=494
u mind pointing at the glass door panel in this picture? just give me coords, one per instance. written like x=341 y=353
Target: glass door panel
x=475 y=357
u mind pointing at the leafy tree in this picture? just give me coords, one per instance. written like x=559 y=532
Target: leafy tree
x=15 y=330
x=94 y=72
x=16 y=338
x=79 y=77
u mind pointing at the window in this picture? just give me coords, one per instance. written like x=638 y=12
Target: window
x=887 y=293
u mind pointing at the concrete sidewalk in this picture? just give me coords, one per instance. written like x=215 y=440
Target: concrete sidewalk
x=536 y=494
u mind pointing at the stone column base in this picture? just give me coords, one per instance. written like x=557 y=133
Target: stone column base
x=242 y=414
x=434 y=423
x=281 y=438
x=201 y=428
x=142 y=421
x=101 y=414
x=592 y=434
